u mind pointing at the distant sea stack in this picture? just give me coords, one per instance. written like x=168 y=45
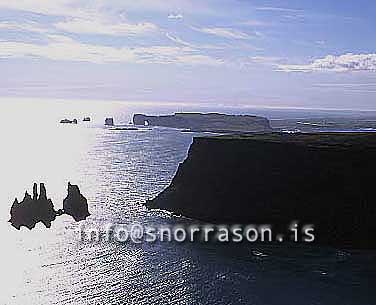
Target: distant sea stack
x=109 y=122
x=212 y=122
x=322 y=179
x=66 y=121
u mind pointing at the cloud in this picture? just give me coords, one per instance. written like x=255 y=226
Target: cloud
x=255 y=23
x=223 y=32
x=27 y=27
x=180 y=41
x=277 y=9
x=62 y=48
x=175 y=16
x=98 y=26
x=343 y=63
x=348 y=87
x=265 y=60
x=74 y=8
x=85 y=21
x=47 y=7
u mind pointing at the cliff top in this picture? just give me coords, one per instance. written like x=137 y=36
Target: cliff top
x=332 y=139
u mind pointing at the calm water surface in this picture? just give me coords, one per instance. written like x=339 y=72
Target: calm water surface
x=117 y=171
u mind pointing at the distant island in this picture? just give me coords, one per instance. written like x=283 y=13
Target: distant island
x=324 y=179
x=67 y=121
x=211 y=122
x=109 y=122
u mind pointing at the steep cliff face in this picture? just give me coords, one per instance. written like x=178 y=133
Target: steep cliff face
x=206 y=122
x=326 y=180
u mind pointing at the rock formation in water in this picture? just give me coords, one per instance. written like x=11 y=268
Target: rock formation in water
x=32 y=210
x=39 y=208
x=66 y=121
x=213 y=122
x=75 y=204
x=322 y=179
x=109 y=122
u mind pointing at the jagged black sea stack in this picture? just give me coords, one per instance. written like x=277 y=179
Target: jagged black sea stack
x=75 y=204
x=32 y=210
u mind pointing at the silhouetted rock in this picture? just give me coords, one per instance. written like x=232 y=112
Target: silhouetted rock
x=35 y=191
x=75 y=204
x=66 y=121
x=109 y=122
x=32 y=210
x=59 y=212
x=39 y=208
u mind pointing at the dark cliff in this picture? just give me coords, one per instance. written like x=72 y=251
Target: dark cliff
x=214 y=122
x=322 y=179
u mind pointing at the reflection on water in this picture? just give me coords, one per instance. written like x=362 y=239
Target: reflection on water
x=116 y=170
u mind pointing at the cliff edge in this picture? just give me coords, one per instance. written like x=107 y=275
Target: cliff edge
x=213 y=122
x=322 y=179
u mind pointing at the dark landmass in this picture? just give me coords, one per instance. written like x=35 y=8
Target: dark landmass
x=32 y=210
x=211 y=122
x=75 y=204
x=66 y=121
x=109 y=122
x=322 y=179
x=124 y=128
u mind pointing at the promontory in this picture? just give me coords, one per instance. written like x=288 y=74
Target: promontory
x=212 y=122
x=324 y=179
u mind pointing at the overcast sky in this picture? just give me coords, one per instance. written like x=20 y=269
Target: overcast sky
x=292 y=53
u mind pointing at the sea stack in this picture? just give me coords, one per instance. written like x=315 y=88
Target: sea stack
x=75 y=204
x=109 y=122
x=67 y=121
x=32 y=210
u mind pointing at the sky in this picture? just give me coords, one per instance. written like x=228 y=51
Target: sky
x=292 y=53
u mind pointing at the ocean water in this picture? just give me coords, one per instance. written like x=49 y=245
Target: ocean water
x=117 y=171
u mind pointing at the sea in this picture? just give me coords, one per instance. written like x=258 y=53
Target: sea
x=117 y=171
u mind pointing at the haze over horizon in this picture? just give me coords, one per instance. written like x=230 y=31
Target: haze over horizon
x=237 y=52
